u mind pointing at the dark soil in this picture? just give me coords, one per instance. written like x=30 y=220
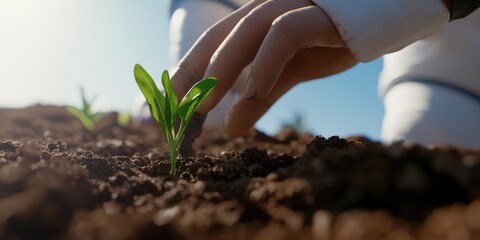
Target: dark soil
x=58 y=181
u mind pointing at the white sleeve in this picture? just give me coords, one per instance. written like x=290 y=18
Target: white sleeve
x=372 y=28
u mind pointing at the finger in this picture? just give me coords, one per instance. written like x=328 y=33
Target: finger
x=318 y=62
x=294 y=30
x=241 y=46
x=245 y=112
x=305 y=65
x=192 y=66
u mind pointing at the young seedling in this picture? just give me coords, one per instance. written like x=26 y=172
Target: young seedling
x=124 y=118
x=298 y=123
x=165 y=108
x=88 y=114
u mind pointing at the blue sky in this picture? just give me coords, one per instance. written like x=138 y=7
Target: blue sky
x=49 y=48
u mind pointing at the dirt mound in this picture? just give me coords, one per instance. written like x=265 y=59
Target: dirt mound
x=58 y=181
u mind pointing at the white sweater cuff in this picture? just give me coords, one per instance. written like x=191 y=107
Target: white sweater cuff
x=372 y=28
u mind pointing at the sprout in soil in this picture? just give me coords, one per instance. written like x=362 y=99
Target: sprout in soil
x=166 y=108
x=88 y=114
x=124 y=118
x=297 y=124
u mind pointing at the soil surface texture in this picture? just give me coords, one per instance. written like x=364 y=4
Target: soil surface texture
x=59 y=181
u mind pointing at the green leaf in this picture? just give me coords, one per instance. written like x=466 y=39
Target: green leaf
x=171 y=101
x=194 y=97
x=84 y=118
x=85 y=103
x=155 y=99
x=97 y=117
x=123 y=118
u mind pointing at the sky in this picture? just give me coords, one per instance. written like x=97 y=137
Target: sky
x=50 y=48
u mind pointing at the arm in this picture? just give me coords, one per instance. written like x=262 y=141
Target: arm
x=372 y=28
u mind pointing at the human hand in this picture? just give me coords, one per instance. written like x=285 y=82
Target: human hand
x=286 y=42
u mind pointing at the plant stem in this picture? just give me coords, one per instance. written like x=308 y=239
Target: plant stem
x=173 y=160
x=172 y=146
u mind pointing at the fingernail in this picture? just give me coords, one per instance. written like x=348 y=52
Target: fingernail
x=250 y=90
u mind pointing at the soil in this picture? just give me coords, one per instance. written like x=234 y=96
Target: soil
x=58 y=181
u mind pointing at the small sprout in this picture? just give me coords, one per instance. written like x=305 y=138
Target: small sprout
x=297 y=124
x=165 y=108
x=88 y=114
x=124 y=118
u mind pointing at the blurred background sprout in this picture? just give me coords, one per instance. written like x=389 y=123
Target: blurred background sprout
x=88 y=114
x=296 y=123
